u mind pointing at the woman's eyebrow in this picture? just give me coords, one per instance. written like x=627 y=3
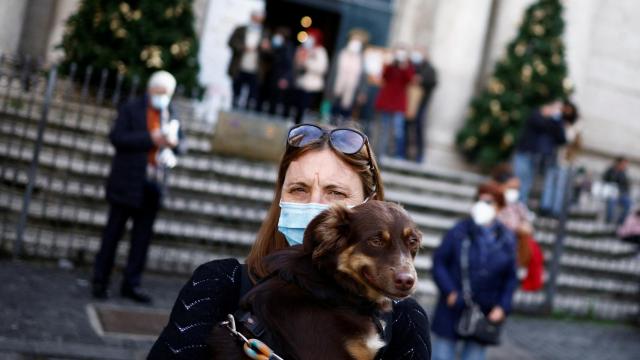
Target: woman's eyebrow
x=336 y=187
x=298 y=183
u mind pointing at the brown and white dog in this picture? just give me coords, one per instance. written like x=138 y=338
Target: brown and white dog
x=323 y=297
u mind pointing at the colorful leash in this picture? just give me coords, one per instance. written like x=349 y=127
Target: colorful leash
x=253 y=348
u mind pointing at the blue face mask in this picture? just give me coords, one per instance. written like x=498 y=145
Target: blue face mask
x=294 y=218
x=160 y=102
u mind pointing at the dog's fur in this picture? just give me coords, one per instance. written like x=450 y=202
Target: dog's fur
x=322 y=296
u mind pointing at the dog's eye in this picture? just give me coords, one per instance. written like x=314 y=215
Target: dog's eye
x=413 y=242
x=376 y=242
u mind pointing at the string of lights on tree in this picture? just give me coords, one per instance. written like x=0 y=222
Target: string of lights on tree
x=532 y=72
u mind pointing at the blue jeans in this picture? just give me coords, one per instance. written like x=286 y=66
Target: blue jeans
x=397 y=120
x=623 y=201
x=555 y=184
x=445 y=349
x=524 y=168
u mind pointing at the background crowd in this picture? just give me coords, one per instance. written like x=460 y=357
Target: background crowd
x=271 y=74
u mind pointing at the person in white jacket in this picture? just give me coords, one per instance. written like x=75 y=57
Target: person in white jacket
x=311 y=64
x=349 y=87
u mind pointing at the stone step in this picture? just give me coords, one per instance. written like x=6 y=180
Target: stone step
x=397 y=172
x=424 y=202
x=189 y=199
x=580 y=305
x=167 y=259
x=452 y=198
x=180 y=232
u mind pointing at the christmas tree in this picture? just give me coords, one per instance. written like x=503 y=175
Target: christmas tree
x=532 y=72
x=134 y=38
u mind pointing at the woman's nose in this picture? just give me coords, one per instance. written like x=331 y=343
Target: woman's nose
x=316 y=196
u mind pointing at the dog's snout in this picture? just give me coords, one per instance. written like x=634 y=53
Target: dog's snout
x=404 y=281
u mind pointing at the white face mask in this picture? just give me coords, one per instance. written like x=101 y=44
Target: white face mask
x=160 y=102
x=416 y=57
x=483 y=213
x=309 y=43
x=511 y=196
x=277 y=40
x=354 y=46
x=401 y=55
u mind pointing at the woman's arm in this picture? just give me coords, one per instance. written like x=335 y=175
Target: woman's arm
x=410 y=337
x=210 y=294
x=443 y=258
x=510 y=281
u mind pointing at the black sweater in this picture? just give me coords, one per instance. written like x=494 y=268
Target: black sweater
x=213 y=292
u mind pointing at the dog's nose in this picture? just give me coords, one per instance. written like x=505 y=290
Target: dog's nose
x=404 y=281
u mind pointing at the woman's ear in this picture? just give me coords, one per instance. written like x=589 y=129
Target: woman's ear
x=328 y=231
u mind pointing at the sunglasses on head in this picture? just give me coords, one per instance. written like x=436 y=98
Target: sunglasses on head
x=347 y=141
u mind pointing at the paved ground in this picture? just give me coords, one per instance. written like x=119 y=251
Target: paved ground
x=43 y=315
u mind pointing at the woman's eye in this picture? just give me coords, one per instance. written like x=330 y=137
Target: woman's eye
x=338 y=194
x=298 y=190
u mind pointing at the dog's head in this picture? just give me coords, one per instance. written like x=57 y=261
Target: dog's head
x=369 y=249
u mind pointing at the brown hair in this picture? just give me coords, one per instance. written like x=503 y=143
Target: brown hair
x=494 y=190
x=269 y=238
x=502 y=173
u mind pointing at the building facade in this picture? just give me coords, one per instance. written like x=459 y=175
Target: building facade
x=464 y=39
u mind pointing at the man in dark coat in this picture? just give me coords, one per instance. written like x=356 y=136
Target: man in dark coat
x=617 y=174
x=427 y=78
x=536 y=149
x=276 y=88
x=248 y=44
x=145 y=136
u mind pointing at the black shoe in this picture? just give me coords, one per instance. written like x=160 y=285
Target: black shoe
x=100 y=291
x=136 y=294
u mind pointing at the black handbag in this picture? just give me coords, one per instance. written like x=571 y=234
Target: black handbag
x=473 y=324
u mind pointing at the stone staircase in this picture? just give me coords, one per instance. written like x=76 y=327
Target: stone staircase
x=215 y=206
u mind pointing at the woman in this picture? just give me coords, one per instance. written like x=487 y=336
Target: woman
x=319 y=168
x=349 y=87
x=516 y=217
x=311 y=64
x=392 y=102
x=492 y=274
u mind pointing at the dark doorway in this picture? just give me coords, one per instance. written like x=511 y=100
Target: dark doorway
x=289 y=14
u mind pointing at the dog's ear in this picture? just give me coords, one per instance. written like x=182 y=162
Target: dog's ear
x=328 y=231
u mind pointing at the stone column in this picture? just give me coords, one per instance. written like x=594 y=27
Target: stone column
x=11 y=21
x=603 y=54
x=221 y=19
x=506 y=25
x=64 y=9
x=458 y=40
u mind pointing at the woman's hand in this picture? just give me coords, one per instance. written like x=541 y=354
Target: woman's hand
x=525 y=229
x=496 y=315
x=451 y=299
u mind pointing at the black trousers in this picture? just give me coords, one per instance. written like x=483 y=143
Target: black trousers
x=305 y=99
x=141 y=233
x=239 y=82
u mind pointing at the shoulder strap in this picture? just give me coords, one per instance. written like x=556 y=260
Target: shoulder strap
x=245 y=281
x=464 y=266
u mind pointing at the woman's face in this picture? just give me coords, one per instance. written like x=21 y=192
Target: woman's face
x=513 y=183
x=320 y=176
x=489 y=199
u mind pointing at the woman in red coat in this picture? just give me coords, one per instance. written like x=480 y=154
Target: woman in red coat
x=392 y=102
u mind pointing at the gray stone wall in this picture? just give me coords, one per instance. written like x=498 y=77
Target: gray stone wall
x=11 y=17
